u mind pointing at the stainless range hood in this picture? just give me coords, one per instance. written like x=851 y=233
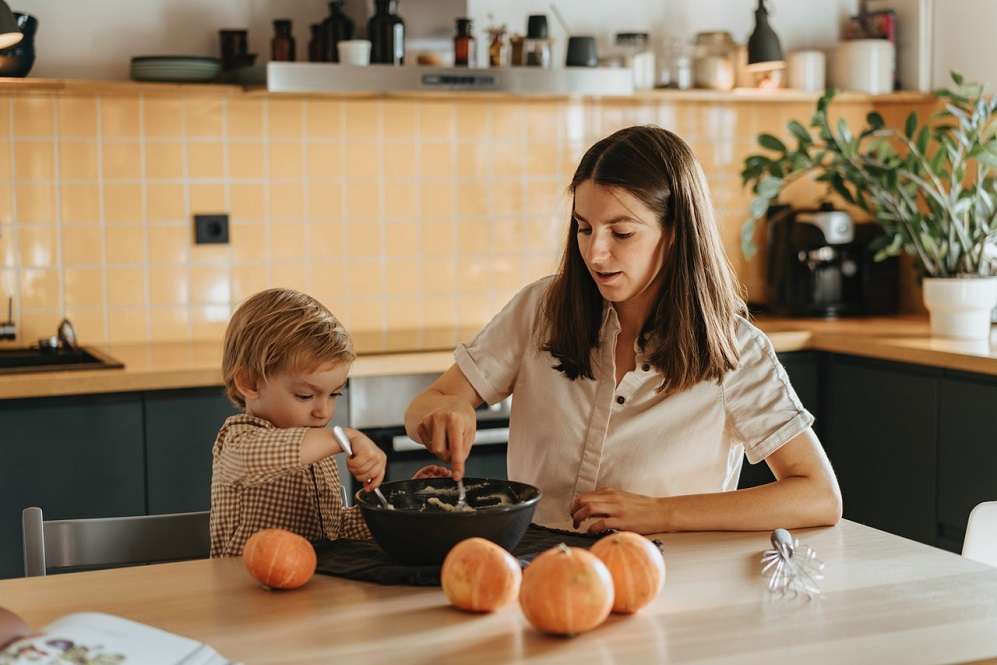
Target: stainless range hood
x=306 y=77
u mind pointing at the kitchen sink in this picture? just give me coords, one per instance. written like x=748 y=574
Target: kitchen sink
x=35 y=359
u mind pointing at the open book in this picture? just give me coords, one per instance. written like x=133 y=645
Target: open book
x=91 y=638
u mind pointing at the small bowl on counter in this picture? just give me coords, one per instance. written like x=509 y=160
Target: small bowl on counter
x=424 y=523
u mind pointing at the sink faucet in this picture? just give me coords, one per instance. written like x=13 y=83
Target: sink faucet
x=8 y=329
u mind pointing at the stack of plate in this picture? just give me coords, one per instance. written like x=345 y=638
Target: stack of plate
x=175 y=68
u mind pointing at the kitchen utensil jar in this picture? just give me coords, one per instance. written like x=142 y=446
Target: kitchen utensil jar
x=714 y=63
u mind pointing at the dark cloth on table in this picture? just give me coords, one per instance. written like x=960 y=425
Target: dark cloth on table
x=364 y=560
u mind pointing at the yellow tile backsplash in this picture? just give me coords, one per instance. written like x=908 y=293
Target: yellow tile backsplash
x=416 y=215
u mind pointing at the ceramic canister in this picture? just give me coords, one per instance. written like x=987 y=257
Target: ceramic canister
x=806 y=70
x=864 y=65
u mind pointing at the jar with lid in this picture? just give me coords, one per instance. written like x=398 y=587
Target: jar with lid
x=638 y=56
x=536 y=46
x=282 y=45
x=714 y=66
x=465 y=50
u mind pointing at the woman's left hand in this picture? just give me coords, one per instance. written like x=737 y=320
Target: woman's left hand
x=616 y=509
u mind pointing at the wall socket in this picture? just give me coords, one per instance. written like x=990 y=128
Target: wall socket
x=211 y=229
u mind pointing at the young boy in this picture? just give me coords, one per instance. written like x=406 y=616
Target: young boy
x=286 y=360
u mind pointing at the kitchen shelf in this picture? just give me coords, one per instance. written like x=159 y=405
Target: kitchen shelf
x=77 y=87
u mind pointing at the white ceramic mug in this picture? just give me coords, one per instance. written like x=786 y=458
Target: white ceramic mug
x=864 y=65
x=806 y=70
x=354 y=52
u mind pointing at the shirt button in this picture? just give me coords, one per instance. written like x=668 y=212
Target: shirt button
x=620 y=399
x=646 y=367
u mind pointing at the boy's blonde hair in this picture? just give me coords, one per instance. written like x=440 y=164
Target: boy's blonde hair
x=277 y=330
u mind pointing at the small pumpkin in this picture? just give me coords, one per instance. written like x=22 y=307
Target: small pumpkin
x=279 y=559
x=566 y=591
x=480 y=576
x=637 y=567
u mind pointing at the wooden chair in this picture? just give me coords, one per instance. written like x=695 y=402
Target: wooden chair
x=112 y=541
x=981 y=534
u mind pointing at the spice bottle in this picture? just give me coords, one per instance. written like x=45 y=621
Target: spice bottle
x=282 y=45
x=464 y=48
x=316 y=45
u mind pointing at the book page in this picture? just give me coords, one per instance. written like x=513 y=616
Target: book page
x=92 y=638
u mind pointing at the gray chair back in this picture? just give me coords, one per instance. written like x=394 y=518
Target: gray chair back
x=111 y=541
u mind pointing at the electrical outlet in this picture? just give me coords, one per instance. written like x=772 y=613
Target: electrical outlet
x=210 y=229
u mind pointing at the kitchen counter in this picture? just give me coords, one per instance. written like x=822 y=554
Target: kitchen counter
x=160 y=366
x=886 y=600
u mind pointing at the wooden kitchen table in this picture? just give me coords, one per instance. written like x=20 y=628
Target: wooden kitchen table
x=886 y=600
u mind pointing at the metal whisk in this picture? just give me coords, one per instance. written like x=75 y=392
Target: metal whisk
x=793 y=569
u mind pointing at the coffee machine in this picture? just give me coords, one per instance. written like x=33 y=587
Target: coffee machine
x=820 y=263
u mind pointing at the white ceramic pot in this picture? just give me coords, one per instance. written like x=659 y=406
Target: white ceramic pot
x=863 y=65
x=960 y=306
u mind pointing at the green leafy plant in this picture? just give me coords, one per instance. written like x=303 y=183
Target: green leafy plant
x=931 y=187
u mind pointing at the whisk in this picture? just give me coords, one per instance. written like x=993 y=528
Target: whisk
x=793 y=569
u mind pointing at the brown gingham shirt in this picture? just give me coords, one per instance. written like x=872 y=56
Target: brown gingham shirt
x=259 y=483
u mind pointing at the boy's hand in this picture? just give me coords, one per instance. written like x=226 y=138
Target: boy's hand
x=431 y=471
x=368 y=462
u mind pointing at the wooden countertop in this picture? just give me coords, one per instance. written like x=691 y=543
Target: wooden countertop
x=886 y=600
x=160 y=366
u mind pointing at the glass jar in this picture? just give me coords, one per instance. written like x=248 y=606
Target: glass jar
x=282 y=45
x=464 y=49
x=536 y=46
x=714 y=66
x=638 y=57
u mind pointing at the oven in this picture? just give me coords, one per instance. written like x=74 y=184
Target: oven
x=376 y=407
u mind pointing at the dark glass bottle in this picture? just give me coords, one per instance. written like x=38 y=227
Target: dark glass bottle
x=337 y=27
x=316 y=45
x=464 y=49
x=282 y=45
x=386 y=32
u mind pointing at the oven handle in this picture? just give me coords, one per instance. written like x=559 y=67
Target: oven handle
x=483 y=437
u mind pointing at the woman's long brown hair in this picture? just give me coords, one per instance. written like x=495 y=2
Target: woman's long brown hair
x=689 y=336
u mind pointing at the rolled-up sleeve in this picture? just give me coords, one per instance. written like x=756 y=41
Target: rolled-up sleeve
x=763 y=411
x=492 y=360
x=256 y=456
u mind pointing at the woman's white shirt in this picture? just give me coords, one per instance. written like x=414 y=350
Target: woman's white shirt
x=571 y=437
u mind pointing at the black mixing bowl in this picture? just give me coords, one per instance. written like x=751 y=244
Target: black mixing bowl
x=420 y=531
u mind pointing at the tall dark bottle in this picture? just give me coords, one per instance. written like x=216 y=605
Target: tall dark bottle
x=386 y=32
x=336 y=28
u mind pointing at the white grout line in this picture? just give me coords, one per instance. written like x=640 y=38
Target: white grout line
x=267 y=217
x=102 y=222
x=144 y=193
x=60 y=267
x=14 y=244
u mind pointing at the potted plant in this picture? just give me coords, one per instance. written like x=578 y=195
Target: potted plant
x=931 y=188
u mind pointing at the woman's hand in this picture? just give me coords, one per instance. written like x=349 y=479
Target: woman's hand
x=615 y=509
x=447 y=431
x=368 y=462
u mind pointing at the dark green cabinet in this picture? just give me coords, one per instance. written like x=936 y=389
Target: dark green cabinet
x=180 y=429
x=803 y=369
x=73 y=457
x=967 y=451
x=880 y=433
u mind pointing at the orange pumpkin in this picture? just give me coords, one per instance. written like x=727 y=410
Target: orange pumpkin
x=279 y=559
x=637 y=567
x=480 y=576
x=566 y=590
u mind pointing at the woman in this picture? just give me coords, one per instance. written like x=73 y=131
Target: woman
x=639 y=385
